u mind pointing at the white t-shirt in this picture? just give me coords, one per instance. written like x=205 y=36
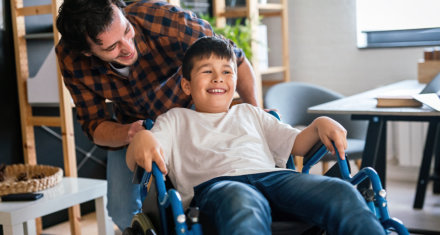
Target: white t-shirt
x=201 y=146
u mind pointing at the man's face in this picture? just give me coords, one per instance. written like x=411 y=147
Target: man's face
x=117 y=42
x=212 y=85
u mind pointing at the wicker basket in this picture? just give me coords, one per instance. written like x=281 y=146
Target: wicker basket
x=21 y=178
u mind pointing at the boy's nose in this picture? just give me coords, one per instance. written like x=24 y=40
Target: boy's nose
x=217 y=79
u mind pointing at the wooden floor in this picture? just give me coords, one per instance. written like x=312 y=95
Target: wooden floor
x=401 y=188
x=401 y=184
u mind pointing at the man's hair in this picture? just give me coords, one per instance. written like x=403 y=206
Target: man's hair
x=204 y=48
x=78 y=19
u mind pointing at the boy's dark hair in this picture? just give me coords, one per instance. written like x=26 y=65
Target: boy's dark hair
x=78 y=19
x=204 y=48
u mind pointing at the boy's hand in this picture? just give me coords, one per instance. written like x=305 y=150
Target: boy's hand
x=329 y=130
x=143 y=151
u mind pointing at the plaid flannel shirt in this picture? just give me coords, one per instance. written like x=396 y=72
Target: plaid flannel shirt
x=162 y=34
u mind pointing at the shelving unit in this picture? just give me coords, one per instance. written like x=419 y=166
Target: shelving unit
x=252 y=11
x=28 y=120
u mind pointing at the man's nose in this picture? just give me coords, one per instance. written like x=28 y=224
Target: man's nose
x=126 y=45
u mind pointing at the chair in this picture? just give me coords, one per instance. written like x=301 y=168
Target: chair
x=292 y=100
x=163 y=212
x=162 y=209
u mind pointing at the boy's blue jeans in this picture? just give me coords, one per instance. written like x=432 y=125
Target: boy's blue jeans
x=242 y=204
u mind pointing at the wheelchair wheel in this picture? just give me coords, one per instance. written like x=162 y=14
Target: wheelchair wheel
x=140 y=225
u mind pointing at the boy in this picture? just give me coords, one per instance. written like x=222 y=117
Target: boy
x=224 y=159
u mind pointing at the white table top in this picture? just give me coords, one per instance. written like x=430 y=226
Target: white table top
x=69 y=192
x=365 y=103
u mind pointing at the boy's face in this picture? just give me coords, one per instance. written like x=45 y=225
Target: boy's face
x=117 y=41
x=212 y=84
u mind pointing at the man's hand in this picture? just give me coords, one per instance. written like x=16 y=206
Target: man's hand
x=134 y=128
x=143 y=150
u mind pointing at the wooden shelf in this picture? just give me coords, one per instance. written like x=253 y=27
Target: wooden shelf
x=272 y=70
x=267 y=10
x=39 y=36
x=34 y=10
x=271 y=82
x=27 y=118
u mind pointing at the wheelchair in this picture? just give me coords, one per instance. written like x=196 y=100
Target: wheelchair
x=162 y=210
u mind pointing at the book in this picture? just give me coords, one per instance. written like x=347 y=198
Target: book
x=397 y=101
x=431 y=99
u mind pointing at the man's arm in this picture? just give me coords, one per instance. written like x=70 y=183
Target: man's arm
x=114 y=134
x=246 y=83
x=325 y=129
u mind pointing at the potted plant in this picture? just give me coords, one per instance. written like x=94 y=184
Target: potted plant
x=239 y=33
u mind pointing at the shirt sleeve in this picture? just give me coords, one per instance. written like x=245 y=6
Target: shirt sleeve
x=90 y=108
x=163 y=131
x=279 y=136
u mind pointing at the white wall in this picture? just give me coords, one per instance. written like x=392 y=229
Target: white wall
x=322 y=51
x=322 y=38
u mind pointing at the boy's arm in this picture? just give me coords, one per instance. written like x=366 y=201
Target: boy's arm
x=143 y=150
x=325 y=129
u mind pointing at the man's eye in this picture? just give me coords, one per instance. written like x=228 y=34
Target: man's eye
x=111 y=48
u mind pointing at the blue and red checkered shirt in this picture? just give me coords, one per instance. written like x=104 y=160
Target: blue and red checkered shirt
x=163 y=32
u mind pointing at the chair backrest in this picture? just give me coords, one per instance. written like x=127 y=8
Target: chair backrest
x=292 y=99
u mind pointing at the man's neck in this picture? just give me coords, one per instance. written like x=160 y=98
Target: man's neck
x=117 y=65
x=121 y=69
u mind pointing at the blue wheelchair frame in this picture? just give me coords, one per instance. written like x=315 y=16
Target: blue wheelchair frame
x=171 y=198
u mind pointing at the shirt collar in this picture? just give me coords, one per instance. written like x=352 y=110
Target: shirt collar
x=140 y=40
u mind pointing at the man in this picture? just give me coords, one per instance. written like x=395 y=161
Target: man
x=132 y=57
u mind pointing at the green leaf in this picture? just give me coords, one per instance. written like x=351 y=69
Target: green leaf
x=239 y=33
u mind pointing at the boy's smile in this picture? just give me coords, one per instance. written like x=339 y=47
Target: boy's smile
x=212 y=85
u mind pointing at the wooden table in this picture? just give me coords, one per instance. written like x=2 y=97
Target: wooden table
x=363 y=107
x=19 y=217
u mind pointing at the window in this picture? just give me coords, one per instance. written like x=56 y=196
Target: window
x=397 y=23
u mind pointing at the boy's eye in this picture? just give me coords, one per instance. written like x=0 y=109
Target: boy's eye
x=207 y=71
x=227 y=72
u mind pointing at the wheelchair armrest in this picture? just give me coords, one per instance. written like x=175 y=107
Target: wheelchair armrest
x=139 y=172
x=340 y=170
x=313 y=156
x=315 y=148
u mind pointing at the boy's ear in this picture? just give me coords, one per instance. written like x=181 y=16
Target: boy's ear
x=186 y=86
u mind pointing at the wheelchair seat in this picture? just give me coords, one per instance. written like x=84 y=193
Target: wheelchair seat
x=282 y=224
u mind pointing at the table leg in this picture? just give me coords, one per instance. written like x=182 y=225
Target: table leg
x=30 y=227
x=372 y=150
x=16 y=229
x=425 y=168
x=436 y=176
x=381 y=159
x=105 y=226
